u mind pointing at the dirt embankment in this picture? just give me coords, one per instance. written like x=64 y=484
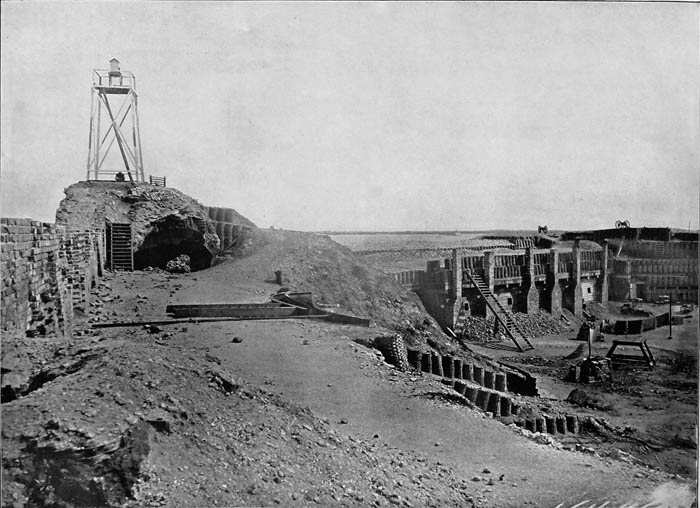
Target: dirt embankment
x=335 y=275
x=137 y=422
x=152 y=419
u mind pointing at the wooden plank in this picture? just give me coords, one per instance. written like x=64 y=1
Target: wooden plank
x=232 y=310
x=196 y=320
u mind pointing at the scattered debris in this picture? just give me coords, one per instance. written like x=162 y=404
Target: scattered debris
x=582 y=399
x=180 y=264
x=590 y=370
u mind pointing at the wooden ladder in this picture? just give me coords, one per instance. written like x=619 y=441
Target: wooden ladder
x=504 y=317
x=119 y=252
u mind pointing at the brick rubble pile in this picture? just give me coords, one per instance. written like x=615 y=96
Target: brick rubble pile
x=533 y=325
x=180 y=264
x=540 y=324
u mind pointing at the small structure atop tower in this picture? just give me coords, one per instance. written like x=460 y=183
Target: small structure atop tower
x=107 y=127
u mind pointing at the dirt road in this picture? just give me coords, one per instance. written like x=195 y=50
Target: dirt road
x=319 y=366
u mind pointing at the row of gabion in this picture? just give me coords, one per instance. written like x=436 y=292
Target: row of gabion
x=456 y=368
x=500 y=405
x=490 y=396
x=561 y=424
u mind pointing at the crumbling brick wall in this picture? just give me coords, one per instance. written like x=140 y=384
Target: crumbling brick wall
x=43 y=267
x=84 y=264
x=35 y=298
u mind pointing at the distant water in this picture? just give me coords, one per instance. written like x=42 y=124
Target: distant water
x=381 y=241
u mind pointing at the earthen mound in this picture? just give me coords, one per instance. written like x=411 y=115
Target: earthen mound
x=335 y=275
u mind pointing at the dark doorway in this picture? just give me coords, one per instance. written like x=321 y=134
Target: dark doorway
x=169 y=240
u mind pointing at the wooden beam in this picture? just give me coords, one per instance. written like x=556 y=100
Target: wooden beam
x=138 y=134
x=196 y=320
x=97 y=135
x=92 y=121
x=124 y=145
x=109 y=129
x=116 y=133
x=99 y=165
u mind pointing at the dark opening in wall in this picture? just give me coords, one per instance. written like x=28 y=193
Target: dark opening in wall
x=170 y=238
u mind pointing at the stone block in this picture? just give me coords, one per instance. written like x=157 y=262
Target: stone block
x=414 y=357
x=540 y=425
x=488 y=379
x=550 y=424
x=505 y=406
x=479 y=375
x=437 y=365
x=426 y=363
x=494 y=405
x=448 y=366
x=471 y=393
x=457 y=368
x=467 y=371
x=482 y=399
x=501 y=383
x=561 y=424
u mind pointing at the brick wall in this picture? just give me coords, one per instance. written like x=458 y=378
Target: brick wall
x=45 y=271
x=83 y=250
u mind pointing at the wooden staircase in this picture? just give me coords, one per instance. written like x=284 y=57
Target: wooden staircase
x=120 y=256
x=504 y=317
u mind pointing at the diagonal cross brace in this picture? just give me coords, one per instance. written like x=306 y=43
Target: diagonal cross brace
x=104 y=138
x=121 y=142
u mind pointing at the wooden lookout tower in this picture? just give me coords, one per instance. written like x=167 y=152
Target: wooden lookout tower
x=106 y=127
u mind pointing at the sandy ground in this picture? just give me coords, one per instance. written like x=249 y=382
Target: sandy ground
x=659 y=404
x=412 y=440
x=328 y=375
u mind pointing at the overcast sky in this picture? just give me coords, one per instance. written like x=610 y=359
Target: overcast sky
x=347 y=116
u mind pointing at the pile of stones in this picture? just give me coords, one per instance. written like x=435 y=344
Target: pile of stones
x=481 y=329
x=541 y=324
x=180 y=264
x=533 y=325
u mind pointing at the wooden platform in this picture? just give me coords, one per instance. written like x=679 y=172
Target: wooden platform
x=620 y=359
